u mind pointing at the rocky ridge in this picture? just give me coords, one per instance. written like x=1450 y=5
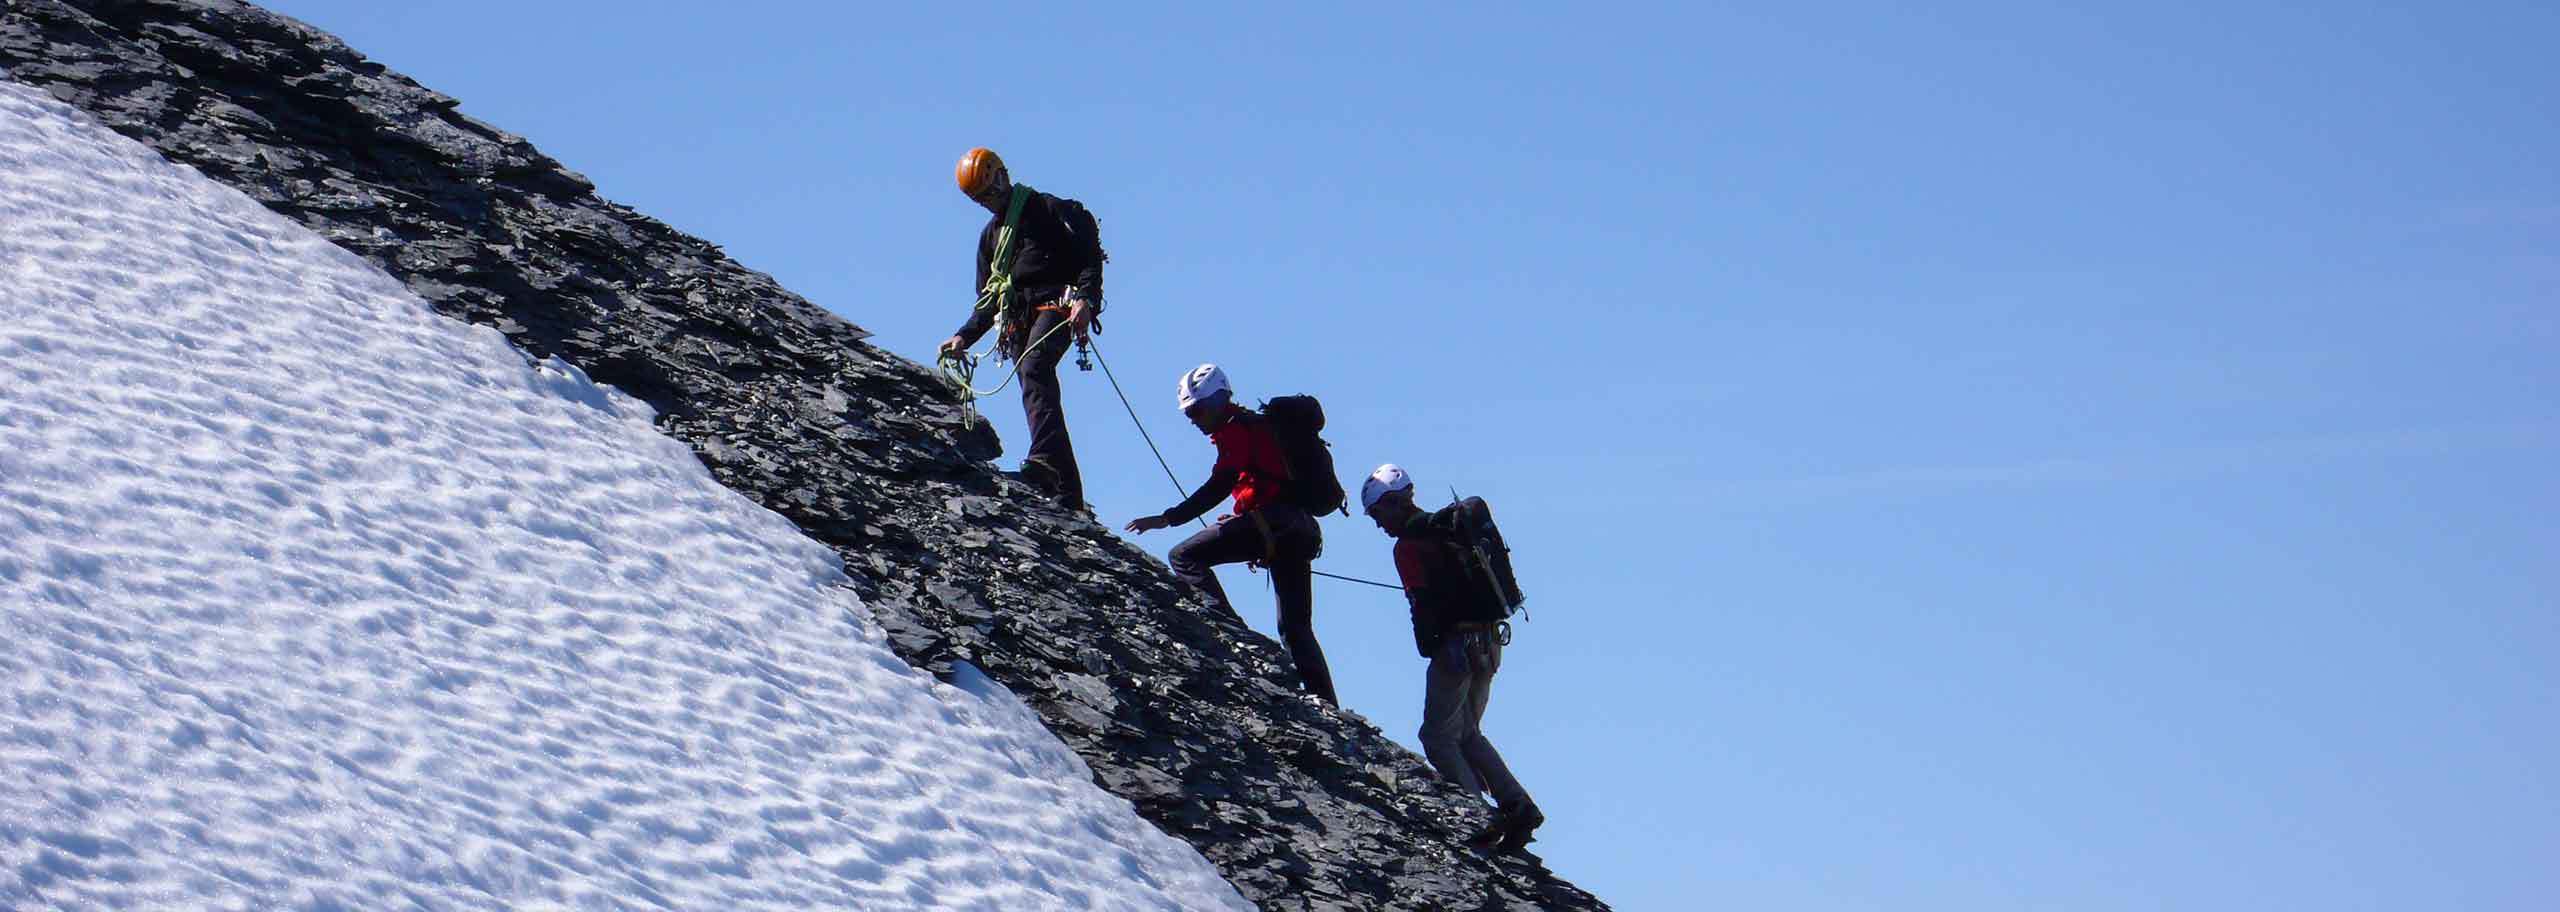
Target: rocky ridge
x=1192 y=717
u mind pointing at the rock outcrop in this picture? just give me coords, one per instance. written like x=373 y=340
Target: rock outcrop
x=1192 y=717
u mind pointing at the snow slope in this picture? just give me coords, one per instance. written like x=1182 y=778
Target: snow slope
x=314 y=599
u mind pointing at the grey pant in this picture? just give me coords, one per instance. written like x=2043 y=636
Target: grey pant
x=1455 y=691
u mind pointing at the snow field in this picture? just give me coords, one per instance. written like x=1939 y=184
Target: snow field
x=314 y=599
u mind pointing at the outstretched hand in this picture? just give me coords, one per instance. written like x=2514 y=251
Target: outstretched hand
x=1146 y=524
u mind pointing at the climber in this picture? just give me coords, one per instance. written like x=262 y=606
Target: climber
x=1269 y=524
x=1040 y=274
x=1458 y=624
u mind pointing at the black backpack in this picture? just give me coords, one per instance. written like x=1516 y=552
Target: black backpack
x=1296 y=421
x=1078 y=220
x=1468 y=523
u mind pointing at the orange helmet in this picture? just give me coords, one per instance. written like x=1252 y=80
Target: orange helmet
x=978 y=170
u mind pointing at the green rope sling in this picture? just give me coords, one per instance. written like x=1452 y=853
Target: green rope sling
x=959 y=369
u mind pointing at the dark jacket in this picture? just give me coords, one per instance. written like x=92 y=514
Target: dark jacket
x=1436 y=586
x=1056 y=246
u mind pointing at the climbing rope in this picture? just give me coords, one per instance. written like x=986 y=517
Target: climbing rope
x=1354 y=579
x=961 y=368
x=1096 y=349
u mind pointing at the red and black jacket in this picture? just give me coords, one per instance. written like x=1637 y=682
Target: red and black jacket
x=1250 y=463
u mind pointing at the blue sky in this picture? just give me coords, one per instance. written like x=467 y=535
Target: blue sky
x=2001 y=456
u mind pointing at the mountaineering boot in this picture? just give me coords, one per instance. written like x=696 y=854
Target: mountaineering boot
x=1486 y=839
x=1519 y=828
x=1040 y=474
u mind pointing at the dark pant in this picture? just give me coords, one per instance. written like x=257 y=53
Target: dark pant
x=1238 y=539
x=1040 y=406
x=1455 y=691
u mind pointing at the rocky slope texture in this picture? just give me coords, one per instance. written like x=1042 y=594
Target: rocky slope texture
x=1191 y=717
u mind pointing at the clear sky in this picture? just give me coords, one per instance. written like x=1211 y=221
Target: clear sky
x=1997 y=457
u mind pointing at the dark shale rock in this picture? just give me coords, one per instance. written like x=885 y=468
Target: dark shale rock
x=1189 y=715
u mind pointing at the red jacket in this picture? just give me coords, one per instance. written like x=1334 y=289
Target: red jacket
x=1250 y=463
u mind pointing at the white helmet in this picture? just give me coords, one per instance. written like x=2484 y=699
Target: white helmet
x=1388 y=479
x=1201 y=383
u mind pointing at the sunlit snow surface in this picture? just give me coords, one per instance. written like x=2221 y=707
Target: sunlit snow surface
x=310 y=598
